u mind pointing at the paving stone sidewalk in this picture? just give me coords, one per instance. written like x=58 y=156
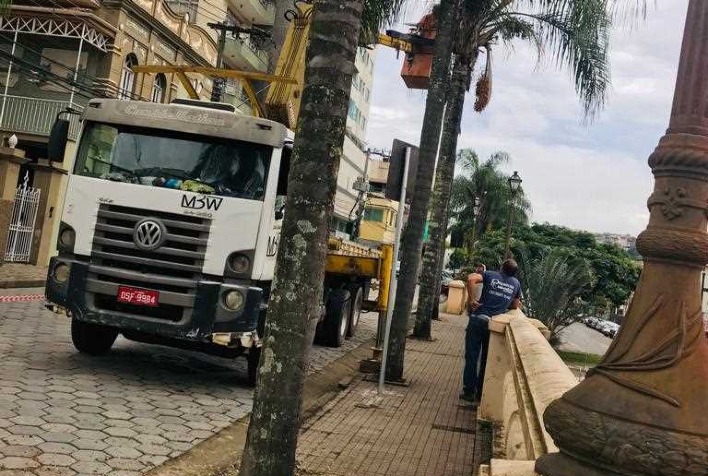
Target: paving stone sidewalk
x=18 y=275
x=64 y=414
x=419 y=430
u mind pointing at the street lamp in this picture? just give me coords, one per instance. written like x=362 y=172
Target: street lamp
x=643 y=409
x=514 y=183
x=470 y=239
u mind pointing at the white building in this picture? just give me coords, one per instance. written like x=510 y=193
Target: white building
x=353 y=163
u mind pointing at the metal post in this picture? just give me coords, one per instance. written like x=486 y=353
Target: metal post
x=507 y=247
x=394 y=277
x=7 y=78
x=219 y=83
x=76 y=71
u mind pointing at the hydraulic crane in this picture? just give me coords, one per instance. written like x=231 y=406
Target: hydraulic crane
x=282 y=102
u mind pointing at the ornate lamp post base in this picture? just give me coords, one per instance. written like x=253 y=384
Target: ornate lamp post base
x=643 y=411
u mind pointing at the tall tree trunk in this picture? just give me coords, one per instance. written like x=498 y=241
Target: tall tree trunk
x=429 y=139
x=433 y=258
x=295 y=300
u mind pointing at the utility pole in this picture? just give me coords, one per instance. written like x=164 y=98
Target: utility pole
x=219 y=82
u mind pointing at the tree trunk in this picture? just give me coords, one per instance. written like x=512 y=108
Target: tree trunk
x=412 y=243
x=297 y=292
x=433 y=258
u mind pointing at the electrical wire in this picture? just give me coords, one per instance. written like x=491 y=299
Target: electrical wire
x=90 y=77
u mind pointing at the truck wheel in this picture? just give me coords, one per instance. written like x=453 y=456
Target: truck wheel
x=357 y=303
x=337 y=318
x=92 y=339
x=253 y=356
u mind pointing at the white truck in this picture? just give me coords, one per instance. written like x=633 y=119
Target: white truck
x=170 y=230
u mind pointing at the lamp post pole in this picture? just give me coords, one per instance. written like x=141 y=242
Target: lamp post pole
x=643 y=410
x=514 y=184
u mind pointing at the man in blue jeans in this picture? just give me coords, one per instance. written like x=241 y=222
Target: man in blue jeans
x=501 y=291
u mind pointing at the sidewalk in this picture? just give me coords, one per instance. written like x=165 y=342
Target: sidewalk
x=18 y=275
x=419 y=430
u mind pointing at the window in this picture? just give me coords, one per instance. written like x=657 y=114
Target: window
x=174 y=160
x=158 y=88
x=374 y=214
x=353 y=111
x=127 y=77
x=184 y=6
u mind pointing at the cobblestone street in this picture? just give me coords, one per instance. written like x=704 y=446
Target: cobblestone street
x=63 y=413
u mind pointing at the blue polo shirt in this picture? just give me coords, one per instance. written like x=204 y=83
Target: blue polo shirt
x=498 y=291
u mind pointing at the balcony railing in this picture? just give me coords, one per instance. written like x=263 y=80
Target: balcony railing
x=35 y=116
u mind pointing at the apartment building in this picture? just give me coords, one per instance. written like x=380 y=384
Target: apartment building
x=354 y=160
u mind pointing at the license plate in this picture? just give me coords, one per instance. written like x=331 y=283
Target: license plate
x=140 y=297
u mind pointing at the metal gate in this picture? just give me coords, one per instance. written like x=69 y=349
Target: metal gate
x=21 y=230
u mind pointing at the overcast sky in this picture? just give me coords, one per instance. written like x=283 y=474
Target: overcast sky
x=592 y=177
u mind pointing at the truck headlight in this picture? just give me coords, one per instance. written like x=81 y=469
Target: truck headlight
x=233 y=300
x=61 y=272
x=239 y=263
x=66 y=239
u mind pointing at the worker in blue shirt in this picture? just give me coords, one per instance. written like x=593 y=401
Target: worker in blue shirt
x=501 y=291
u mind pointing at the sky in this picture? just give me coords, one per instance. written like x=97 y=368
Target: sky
x=590 y=177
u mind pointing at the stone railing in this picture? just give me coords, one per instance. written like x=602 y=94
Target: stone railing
x=523 y=376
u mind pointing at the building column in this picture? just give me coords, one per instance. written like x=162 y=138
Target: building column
x=10 y=161
x=49 y=180
x=644 y=409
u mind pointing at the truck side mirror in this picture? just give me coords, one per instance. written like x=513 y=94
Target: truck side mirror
x=58 y=138
x=284 y=171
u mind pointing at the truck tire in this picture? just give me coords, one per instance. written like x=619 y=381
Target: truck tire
x=253 y=357
x=357 y=303
x=336 y=322
x=92 y=339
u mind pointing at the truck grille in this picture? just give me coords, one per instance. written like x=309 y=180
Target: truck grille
x=173 y=269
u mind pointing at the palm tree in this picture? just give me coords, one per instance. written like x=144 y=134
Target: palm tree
x=486 y=183
x=552 y=286
x=298 y=285
x=429 y=141
x=577 y=34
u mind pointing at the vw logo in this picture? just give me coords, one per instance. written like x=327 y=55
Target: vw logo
x=149 y=234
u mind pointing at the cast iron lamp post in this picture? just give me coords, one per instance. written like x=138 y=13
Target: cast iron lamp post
x=643 y=411
x=514 y=184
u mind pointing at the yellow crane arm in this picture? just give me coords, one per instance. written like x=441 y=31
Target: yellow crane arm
x=395 y=43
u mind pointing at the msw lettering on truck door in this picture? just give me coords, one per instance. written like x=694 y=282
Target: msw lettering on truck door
x=197 y=202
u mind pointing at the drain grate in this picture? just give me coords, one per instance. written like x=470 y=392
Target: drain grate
x=483 y=444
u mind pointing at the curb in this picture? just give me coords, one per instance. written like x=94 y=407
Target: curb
x=218 y=454
x=28 y=283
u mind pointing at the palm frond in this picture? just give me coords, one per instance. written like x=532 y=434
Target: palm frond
x=578 y=39
x=377 y=15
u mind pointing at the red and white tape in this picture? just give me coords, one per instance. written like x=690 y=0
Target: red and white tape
x=22 y=298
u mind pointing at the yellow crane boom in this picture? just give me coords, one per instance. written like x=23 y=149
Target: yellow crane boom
x=282 y=103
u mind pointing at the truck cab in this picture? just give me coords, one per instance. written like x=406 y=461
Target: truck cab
x=170 y=231
x=170 y=226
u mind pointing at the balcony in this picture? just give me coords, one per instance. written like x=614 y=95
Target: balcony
x=242 y=54
x=35 y=116
x=255 y=12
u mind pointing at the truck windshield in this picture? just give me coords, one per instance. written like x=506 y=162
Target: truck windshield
x=160 y=158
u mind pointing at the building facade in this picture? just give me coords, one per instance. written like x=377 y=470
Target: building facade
x=353 y=165
x=57 y=55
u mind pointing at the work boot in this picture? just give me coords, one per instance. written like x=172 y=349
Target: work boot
x=469 y=398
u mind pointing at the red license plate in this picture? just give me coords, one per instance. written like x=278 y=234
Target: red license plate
x=140 y=297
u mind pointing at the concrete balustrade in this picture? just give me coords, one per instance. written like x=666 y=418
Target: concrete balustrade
x=523 y=376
